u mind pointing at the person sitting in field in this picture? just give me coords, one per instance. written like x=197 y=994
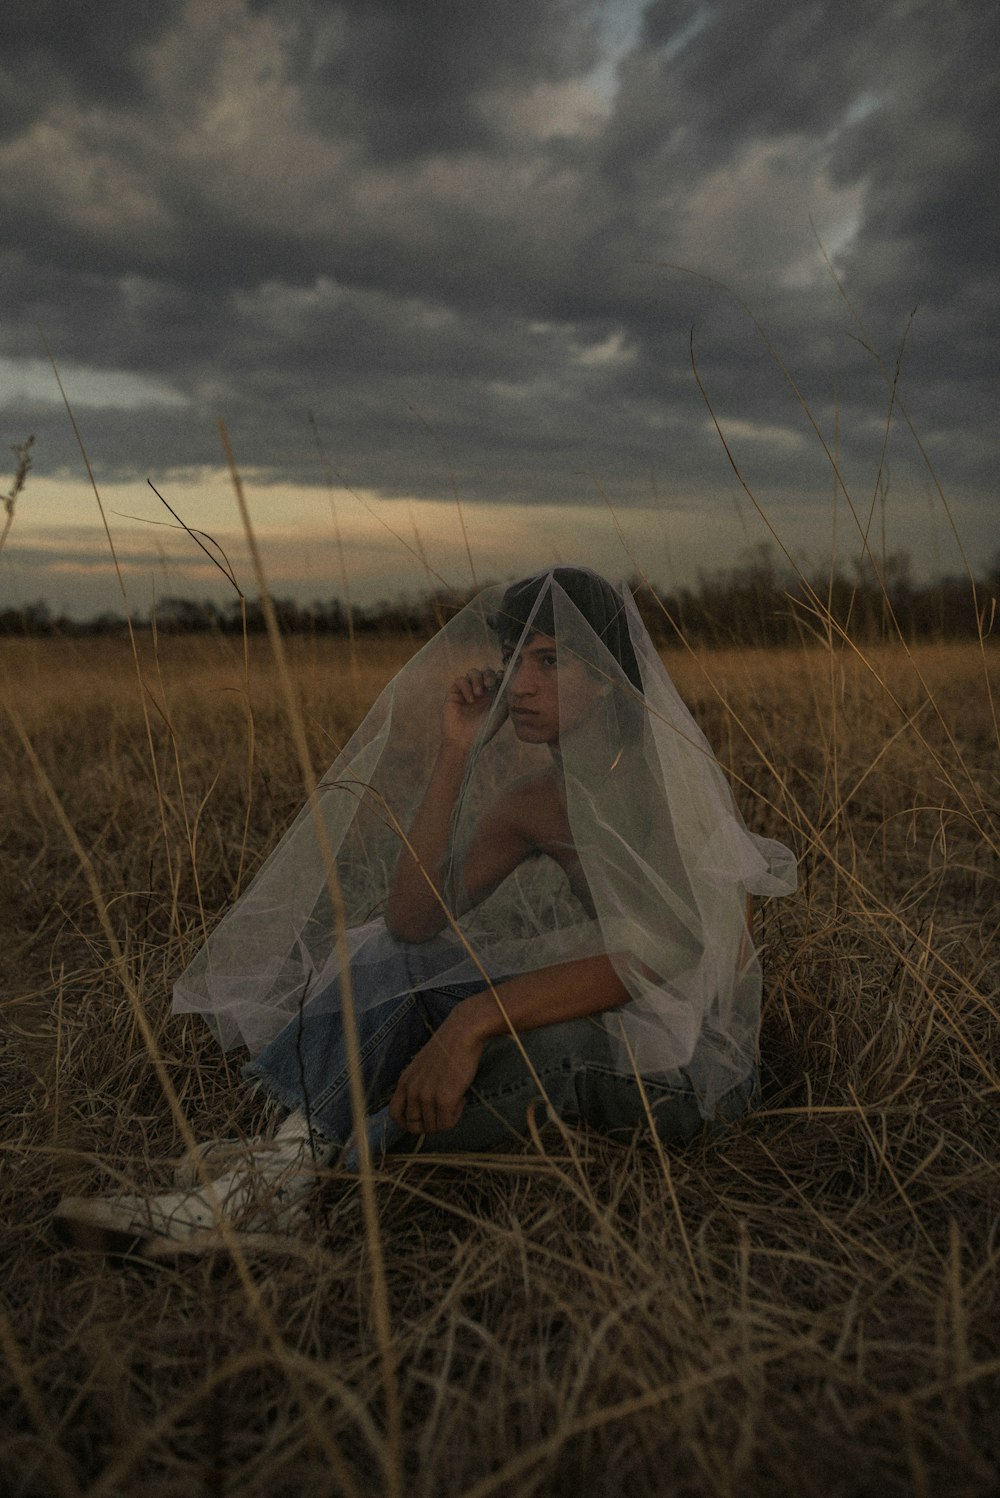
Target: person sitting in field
x=526 y=880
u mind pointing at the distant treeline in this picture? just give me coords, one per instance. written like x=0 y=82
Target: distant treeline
x=759 y=602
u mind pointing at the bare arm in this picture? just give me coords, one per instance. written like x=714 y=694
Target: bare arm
x=568 y=990
x=413 y=909
x=430 y=1094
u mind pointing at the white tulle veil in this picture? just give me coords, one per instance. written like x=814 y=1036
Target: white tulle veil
x=665 y=859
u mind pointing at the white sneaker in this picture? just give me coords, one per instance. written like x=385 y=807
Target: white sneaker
x=123 y=1224
x=250 y=1200
x=264 y=1193
x=217 y=1155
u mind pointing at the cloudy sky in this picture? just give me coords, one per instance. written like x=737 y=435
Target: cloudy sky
x=476 y=241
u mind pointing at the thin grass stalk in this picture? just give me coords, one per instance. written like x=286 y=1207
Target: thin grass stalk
x=449 y=915
x=230 y=1235
x=373 y=513
x=373 y=1238
x=662 y=1156
x=609 y=1414
x=189 y=831
x=339 y=540
x=454 y=487
x=816 y=840
x=852 y=645
x=418 y=542
x=22 y=452
x=816 y=602
x=228 y=571
x=174 y=914
x=58 y=1464
x=869 y=346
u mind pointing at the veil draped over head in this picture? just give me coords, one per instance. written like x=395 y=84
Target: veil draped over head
x=652 y=865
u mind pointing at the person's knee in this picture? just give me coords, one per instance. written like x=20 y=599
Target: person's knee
x=618 y=1104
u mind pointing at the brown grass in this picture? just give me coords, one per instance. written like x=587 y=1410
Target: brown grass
x=837 y=1330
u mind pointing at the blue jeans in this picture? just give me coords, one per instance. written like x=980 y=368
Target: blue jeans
x=306 y=1067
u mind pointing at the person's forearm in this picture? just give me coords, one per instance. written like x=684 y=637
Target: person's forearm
x=568 y=990
x=413 y=911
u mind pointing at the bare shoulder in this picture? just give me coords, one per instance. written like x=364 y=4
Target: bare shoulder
x=533 y=806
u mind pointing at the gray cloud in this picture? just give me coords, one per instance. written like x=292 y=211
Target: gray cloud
x=51 y=53
x=394 y=213
x=407 y=79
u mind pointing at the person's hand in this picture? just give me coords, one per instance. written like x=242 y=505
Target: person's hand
x=468 y=700
x=430 y=1093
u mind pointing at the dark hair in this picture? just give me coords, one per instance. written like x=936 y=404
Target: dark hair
x=598 y=602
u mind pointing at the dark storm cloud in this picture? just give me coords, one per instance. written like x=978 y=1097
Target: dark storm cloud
x=51 y=51
x=392 y=213
x=406 y=78
x=757 y=71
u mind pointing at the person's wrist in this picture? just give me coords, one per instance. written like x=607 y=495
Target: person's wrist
x=468 y=1022
x=454 y=751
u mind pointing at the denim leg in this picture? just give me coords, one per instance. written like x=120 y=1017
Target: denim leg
x=306 y=1065
x=306 y=1068
x=574 y=1063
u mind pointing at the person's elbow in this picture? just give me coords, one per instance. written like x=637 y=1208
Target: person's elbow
x=411 y=927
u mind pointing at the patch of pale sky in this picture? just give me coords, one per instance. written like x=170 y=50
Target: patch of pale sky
x=737 y=430
x=751 y=218
x=686 y=34
x=249 y=148
x=610 y=350
x=65 y=560
x=523 y=393
x=546 y=111
x=31 y=381
x=271 y=303
x=460 y=182
x=859 y=109
x=620 y=24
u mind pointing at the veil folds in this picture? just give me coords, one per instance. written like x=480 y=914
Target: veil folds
x=656 y=873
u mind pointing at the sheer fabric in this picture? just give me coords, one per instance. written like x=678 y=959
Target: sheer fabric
x=653 y=866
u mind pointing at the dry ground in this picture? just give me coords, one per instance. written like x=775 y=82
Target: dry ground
x=807 y=1305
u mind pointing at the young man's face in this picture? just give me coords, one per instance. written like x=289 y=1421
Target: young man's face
x=547 y=694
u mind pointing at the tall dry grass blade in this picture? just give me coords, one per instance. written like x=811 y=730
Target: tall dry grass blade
x=817 y=603
x=200 y=538
x=169 y=1091
x=381 y=520
x=439 y=440
x=441 y=898
x=868 y=343
x=189 y=834
x=59 y=1467
x=664 y=1160
x=154 y=766
x=421 y=549
x=339 y=540
x=380 y=1297
x=22 y=452
x=229 y=573
x=835 y=468
x=526 y=1325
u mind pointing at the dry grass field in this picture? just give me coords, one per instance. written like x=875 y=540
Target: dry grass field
x=806 y=1305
